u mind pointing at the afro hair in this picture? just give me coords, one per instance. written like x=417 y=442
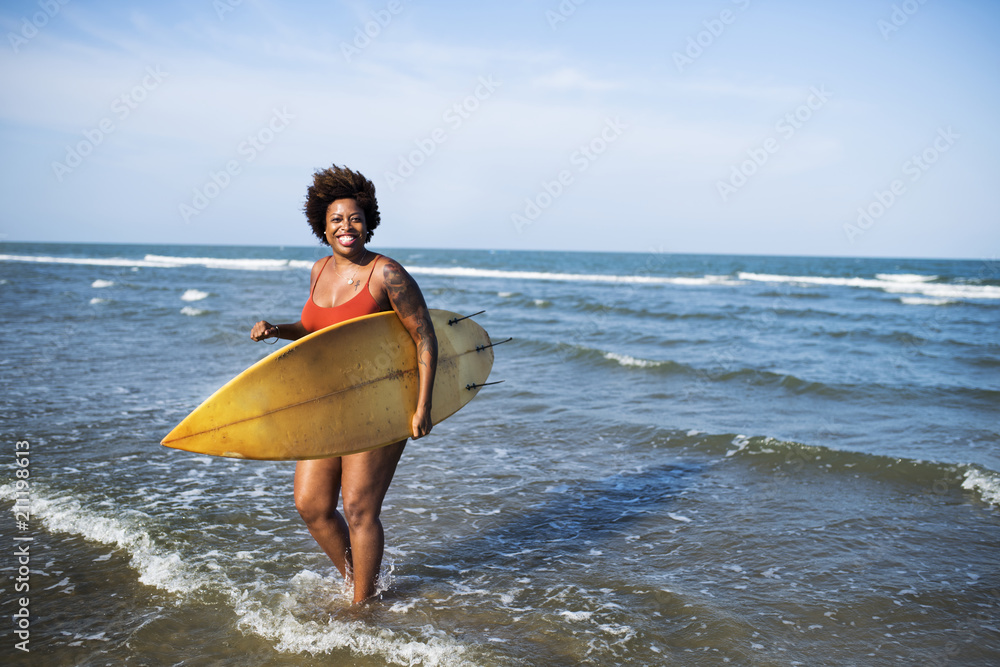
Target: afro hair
x=339 y=183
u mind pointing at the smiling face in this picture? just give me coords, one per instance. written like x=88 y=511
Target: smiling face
x=346 y=229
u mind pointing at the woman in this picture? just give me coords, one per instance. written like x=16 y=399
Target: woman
x=351 y=282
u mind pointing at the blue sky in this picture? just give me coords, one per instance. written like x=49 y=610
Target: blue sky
x=734 y=126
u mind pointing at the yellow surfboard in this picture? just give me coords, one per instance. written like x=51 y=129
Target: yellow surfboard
x=345 y=389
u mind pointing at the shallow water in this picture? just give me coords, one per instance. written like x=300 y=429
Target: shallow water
x=692 y=460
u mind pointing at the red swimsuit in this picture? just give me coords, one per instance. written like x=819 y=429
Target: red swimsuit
x=316 y=317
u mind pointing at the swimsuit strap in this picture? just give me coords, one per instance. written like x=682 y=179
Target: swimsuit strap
x=313 y=288
x=372 y=272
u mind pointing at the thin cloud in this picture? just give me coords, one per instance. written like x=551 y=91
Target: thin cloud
x=568 y=79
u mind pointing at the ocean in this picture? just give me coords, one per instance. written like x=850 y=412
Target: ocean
x=692 y=460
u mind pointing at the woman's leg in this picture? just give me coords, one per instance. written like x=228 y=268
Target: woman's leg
x=365 y=478
x=317 y=486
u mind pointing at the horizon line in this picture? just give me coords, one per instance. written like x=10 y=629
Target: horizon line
x=523 y=250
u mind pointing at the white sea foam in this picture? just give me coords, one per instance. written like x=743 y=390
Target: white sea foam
x=246 y=264
x=466 y=272
x=156 y=566
x=167 y=570
x=741 y=442
x=948 y=290
x=102 y=283
x=292 y=635
x=193 y=295
x=191 y=311
x=626 y=360
x=924 y=301
x=902 y=283
x=96 y=300
x=577 y=616
x=86 y=261
x=985 y=483
x=905 y=277
x=168 y=262
x=909 y=284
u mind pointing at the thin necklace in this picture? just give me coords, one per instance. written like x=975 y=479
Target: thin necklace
x=350 y=281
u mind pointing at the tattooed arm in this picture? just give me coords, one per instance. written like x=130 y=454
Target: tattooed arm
x=408 y=302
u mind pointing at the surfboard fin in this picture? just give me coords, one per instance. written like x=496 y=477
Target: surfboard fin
x=452 y=321
x=470 y=387
x=480 y=348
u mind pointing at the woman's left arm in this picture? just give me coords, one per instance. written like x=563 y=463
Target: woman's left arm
x=408 y=302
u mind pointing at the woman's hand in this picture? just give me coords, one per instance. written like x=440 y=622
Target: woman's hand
x=263 y=330
x=421 y=423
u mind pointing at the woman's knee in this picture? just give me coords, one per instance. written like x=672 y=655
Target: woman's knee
x=313 y=508
x=317 y=486
x=360 y=511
